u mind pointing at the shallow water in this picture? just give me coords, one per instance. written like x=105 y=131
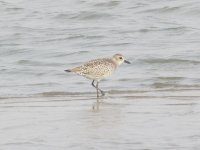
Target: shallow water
x=151 y=104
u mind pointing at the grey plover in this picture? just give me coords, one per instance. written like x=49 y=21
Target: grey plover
x=98 y=69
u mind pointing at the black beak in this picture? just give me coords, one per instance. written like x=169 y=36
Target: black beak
x=127 y=62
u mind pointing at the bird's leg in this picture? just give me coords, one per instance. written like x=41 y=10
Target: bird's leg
x=102 y=92
x=97 y=89
x=93 y=84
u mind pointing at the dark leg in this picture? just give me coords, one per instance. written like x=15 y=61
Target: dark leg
x=102 y=92
x=96 y=87
x=93 y=84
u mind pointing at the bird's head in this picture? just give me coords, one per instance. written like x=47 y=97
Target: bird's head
x=119 y=59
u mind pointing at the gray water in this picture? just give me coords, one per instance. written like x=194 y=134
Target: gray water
x=152 y=104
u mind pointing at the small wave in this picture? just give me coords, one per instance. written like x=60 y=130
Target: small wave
x=170 y=78
x=126 y=91
x=42 y=84
x=159 y=85
x=73 y=37
x=14 y=52
x=59 y=93
x=15 y=9
x=169 y=60
x=171 y=29
x=86 y=15
x=155 y=91
x=165 y=9
x=108 y=4
x=65 y=54
x=36 y=63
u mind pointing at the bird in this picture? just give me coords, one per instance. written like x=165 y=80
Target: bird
x=98 y=69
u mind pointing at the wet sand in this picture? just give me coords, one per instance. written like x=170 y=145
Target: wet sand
x=124 y=121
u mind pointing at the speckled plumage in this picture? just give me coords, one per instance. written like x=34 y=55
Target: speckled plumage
x=99 y=69
x=96 y=69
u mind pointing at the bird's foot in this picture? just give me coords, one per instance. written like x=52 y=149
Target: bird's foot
x=102 y=93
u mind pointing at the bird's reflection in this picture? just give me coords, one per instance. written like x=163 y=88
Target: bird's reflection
x=96 y=105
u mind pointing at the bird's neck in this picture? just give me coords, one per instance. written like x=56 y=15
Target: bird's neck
x=115 y=63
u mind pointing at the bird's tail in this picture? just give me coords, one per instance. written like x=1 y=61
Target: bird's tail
x=68 y=70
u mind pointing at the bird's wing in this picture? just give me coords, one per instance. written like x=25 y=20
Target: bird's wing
x=97 y=67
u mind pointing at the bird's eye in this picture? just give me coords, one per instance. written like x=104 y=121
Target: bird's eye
x=120 y=57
